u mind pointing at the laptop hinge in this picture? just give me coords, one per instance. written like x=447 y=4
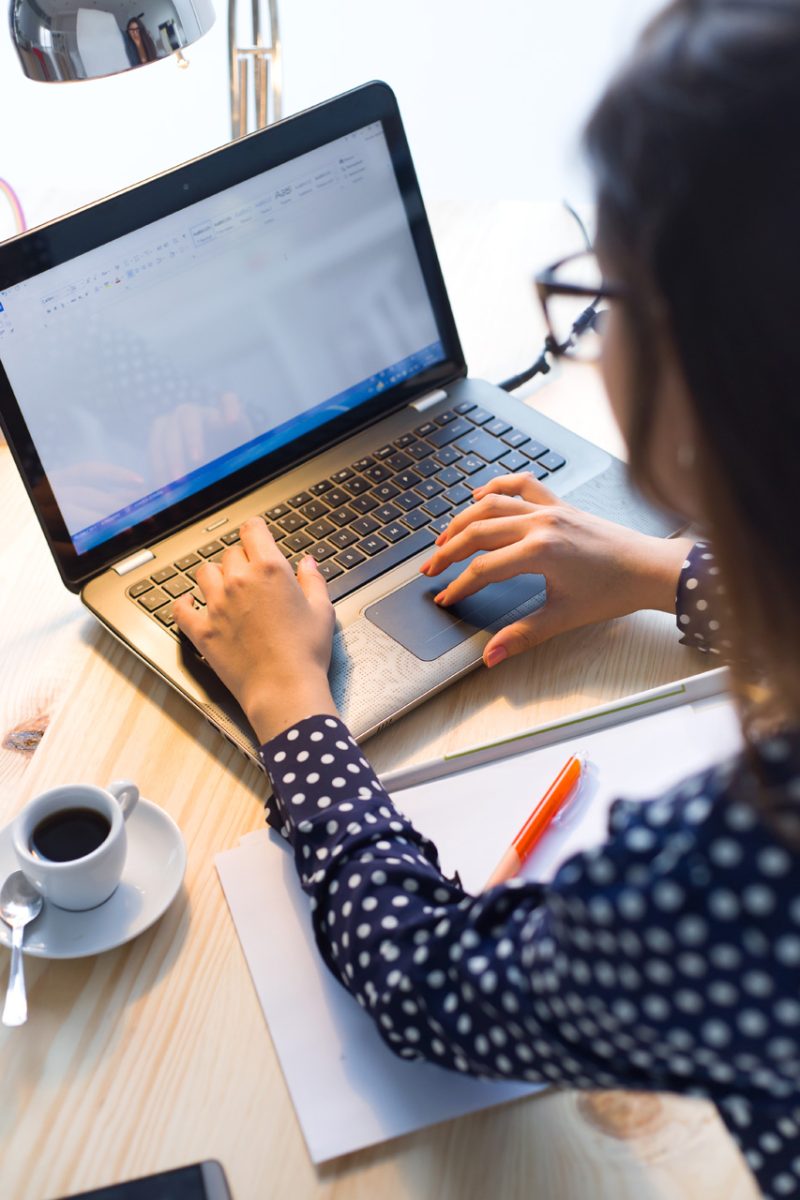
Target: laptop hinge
x=136 y=560
x=428 y=399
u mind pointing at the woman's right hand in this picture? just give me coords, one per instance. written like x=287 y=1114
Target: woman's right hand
x=595 y=569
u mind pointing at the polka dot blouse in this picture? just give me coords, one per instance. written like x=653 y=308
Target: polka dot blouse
x=667 y=958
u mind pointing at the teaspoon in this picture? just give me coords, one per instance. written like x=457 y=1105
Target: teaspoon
x=20 y=904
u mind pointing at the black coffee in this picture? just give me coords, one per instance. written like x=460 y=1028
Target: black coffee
x=69 y=834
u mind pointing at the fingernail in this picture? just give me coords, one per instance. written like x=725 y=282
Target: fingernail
x=496 y=656
x=440 y=598
x=441 y=539
x=424 y=568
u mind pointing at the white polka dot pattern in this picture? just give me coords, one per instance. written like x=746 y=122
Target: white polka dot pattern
x=703 y=610
x=668 y=958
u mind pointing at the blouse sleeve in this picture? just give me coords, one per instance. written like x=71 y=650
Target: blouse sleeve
x=703 y=610
x=574 y=982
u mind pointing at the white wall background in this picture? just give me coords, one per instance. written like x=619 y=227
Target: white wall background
x=493 y=96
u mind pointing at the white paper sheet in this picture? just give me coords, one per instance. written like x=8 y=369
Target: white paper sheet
x=348 y=1089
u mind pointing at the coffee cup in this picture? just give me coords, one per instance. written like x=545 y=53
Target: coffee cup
x=70 y=842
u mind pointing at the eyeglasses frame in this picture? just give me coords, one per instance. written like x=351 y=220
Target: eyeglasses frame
x=547 y=286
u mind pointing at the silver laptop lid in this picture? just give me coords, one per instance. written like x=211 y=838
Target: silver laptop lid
x=282 y=300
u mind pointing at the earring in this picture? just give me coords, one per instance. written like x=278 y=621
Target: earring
x=686 y=457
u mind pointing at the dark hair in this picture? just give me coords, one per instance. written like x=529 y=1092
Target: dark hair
x=695 y=149
x=148 y=45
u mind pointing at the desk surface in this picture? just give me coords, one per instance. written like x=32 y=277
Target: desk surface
x=156 y=1054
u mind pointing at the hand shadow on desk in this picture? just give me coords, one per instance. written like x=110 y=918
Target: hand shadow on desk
x=97 y=997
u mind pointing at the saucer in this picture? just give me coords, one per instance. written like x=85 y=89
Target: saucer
x=153 y=873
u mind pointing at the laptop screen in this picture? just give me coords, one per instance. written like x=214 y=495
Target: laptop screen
x=165 y=360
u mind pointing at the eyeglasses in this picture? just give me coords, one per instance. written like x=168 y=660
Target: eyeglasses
x=576 y=327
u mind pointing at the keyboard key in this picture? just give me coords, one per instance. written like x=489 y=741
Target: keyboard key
x=343 y=538
x=188 y=560
x=299 y=500
x=399 y=462
x=535 y=449
x=479 y=416
x=478 y=442
x=364 y=526
x=427 y=467
x=416 y=518
x=329 y=570
x=336 y=497
x=358 y=485
x=230 y=539
x=350 y=558
x=449 y=433
x=464 y=407
x=165 y=615
x=458 y=494
x=177 y=586
x=341 y=516
x=296 y=543
x=320 y=529
x=192 y=572
x=407 y=501
x=372 y=545
x=429 y=487
x=470 y=464
x=144 y=585
x=153 y=599
x=394 y=532
x=321 y=551
x=364 y=504
x=497 y=427
x=446 y=417
x=448 y=455
x=319 y=489
x=290 y=523
x=440 y=524
x=424 y=430
x=210 y=548
x=276 y=512
x=386 y=491
x=383 y=452
x=396 y=553
x=379 y=472
x=536 y=471
x=278 y=533
x=485 y=475
x=387 y=513
x=419 y=450
x=164 y=574
x=449 y=476
x=515 y=438
x=404 y=440
x=343 y=475
x=286 y=550
x=363 y=463
x=314 y=510
x=514 y=461
x=437 y=507
x=198 y=597
x=553 y=461
x=406 y=480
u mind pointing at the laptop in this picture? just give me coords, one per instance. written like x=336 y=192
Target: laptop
x=265 y=330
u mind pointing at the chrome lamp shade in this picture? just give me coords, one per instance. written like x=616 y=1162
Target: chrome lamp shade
x=63 y=40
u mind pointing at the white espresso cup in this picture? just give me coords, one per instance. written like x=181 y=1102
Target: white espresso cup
x=75 y=883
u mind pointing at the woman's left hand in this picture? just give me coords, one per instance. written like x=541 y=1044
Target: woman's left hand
x=267 y=634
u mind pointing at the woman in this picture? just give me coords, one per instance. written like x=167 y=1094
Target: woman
x=669 y=958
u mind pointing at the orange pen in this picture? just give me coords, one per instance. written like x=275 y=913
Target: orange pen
x=560 y=791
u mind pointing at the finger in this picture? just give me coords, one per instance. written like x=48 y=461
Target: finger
x=258 y=543
x=190 y=618
x=209 y=578
x=233 y=561
x=525 y=634
x=487 y=568
x=478 y=535
x=490 y=506
x=315 y=589
x=522 y=484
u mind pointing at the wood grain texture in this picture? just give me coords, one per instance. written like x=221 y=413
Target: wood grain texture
x=156 y=1054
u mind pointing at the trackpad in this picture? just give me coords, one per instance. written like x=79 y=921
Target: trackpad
x=410 y=616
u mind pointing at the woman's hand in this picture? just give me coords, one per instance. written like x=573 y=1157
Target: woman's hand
x=595 y=569
x=266 y=634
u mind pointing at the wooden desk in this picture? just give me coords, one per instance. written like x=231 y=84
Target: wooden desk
x=156 y=1054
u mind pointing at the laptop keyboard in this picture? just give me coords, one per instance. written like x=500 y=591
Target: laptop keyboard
x=381 y=510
